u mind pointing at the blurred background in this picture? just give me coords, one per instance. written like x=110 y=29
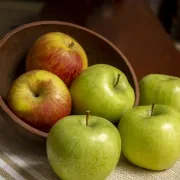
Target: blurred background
x=17 y=12
x=14 y=13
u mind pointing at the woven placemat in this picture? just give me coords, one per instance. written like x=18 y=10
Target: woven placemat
x=22 y=159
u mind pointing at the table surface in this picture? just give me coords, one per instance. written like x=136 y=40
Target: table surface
x=131 y=25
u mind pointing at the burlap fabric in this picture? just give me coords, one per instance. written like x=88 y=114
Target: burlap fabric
x=22 y=159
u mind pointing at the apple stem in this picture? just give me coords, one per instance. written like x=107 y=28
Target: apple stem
x=117 y=80
x=71 y=45
x=87 y=117
x=152 y=108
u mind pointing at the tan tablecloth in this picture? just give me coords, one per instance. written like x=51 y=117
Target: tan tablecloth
x=22 y=159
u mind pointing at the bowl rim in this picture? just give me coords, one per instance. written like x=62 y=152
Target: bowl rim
x=51 y=22
x=19 y=121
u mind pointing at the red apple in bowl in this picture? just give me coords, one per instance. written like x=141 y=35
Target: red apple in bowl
x=40 y=98
x=58 y=53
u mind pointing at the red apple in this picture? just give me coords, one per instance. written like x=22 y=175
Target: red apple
x=40 y=98
x=58 y=53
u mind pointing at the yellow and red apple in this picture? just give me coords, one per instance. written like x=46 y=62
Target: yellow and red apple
x=58 y=53
x=40 y=98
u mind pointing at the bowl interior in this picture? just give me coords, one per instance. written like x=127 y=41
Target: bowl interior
x=15 y=45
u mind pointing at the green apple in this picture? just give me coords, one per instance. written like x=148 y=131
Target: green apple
x=160 y=89
x=104 y=90
x=40 y=98
x=151 y=136
x=83 y=147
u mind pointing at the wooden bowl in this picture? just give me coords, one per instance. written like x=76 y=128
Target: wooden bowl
x=15 y=45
